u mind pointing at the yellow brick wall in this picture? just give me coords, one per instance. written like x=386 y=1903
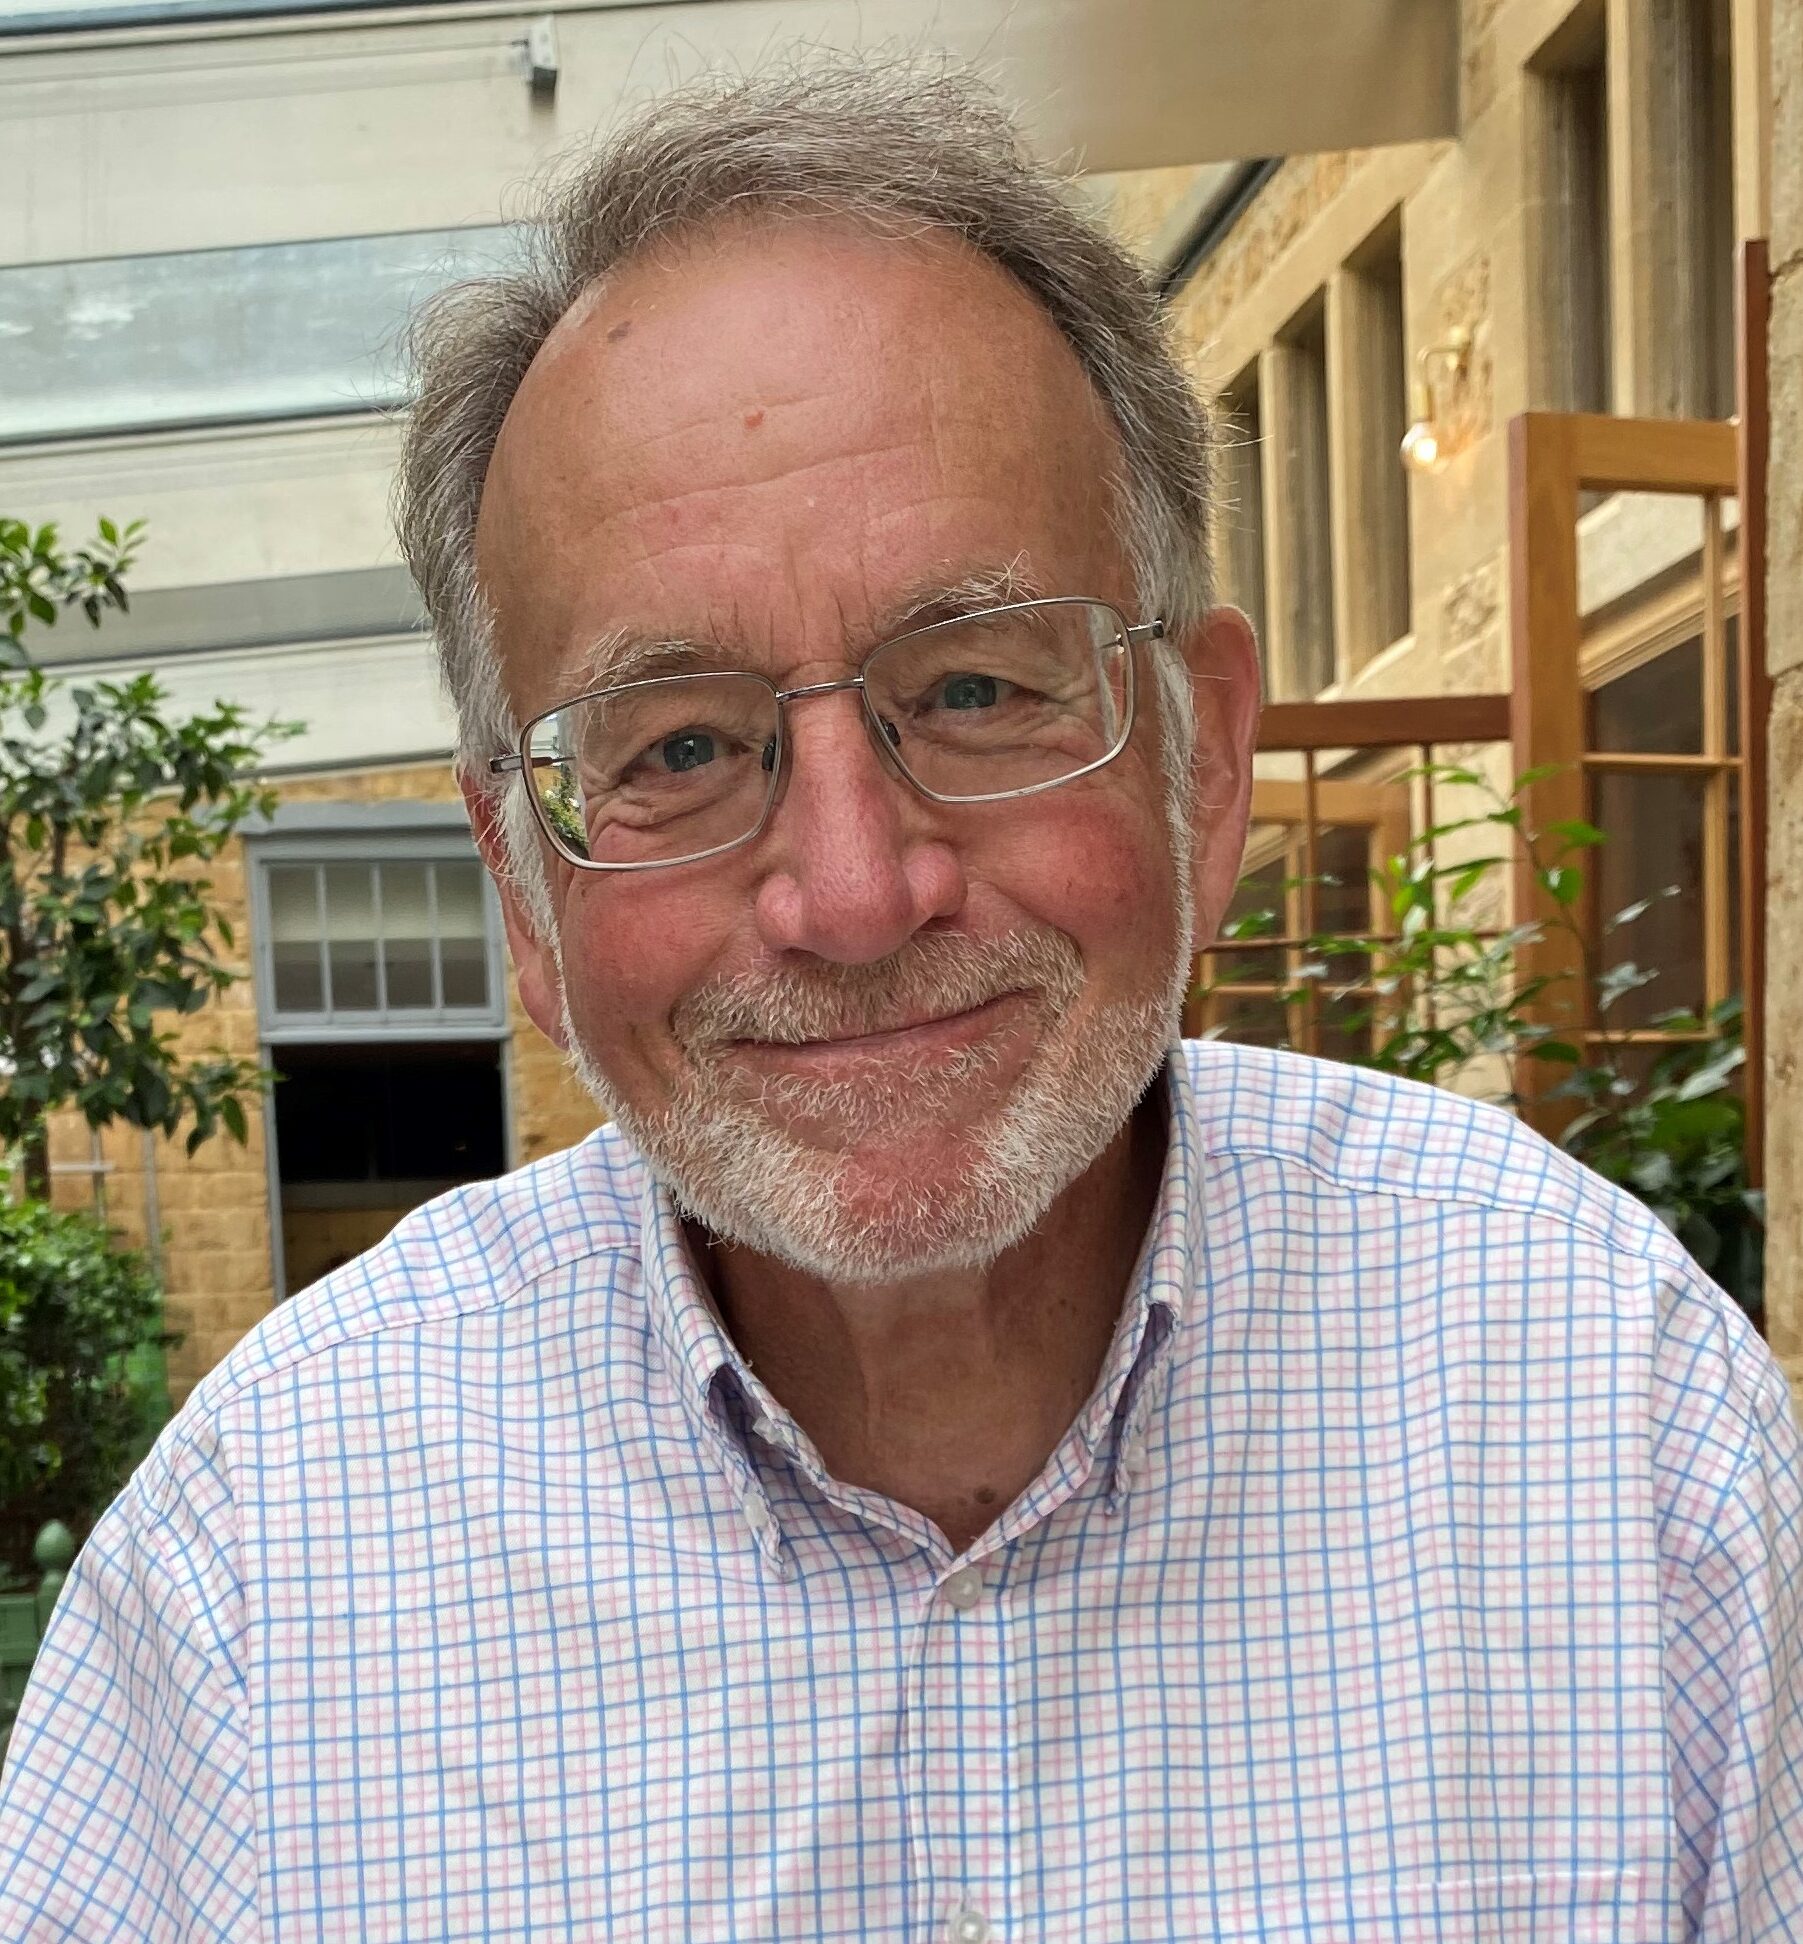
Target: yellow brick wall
x=213 y=1206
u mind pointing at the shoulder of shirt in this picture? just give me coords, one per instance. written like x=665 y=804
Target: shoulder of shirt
x=467 y=1251
x=1373 y=1133
x=1712 y=1382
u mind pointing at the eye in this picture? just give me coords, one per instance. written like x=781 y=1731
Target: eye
x=691 y=749
x=969 y=692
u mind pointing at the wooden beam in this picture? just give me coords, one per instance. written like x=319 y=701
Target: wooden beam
x=1391 y=723
x=1648 y=455
x=1547 y=701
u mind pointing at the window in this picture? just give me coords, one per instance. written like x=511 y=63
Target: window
x=1570 y=324
x=383 y=1010
x=48 y=16
x=1292 y=387
x=1240 y=532
x=1368 y=395
x=194 y=337
x=1672 y=192
x=353 y=944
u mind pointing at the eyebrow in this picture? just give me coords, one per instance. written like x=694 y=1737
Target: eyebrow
x=625 y=655
x=970 y=593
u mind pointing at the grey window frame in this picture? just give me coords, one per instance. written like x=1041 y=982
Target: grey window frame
x=373 y=846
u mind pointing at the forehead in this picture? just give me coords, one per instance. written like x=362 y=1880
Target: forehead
x=776 y=426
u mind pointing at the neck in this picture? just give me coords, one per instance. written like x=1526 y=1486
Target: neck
x=948 y=1393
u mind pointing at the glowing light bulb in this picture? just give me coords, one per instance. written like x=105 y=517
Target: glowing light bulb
x=1422 y=448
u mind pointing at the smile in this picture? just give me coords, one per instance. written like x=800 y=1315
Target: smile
x=944 y=1033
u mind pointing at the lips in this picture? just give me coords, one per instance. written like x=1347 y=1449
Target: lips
x=918 y=1022
x=925 y=1035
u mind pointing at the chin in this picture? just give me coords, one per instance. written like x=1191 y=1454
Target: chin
x=900 y=1192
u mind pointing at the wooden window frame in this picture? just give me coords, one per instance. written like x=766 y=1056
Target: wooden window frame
x=1554 y=458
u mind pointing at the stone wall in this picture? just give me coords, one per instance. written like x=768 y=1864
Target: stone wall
x=1784 y=614
x=213 y=1207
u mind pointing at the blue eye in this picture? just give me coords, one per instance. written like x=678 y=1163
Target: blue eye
x=691 y=750
x=970 y=692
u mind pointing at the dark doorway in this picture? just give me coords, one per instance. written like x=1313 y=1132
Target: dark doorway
x=366 y=1132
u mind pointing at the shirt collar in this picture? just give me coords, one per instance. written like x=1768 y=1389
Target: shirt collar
x=697 y=1349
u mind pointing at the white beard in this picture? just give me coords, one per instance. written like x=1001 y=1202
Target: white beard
x=729 y=1163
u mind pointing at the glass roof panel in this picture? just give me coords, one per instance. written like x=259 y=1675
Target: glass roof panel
x=197 y=337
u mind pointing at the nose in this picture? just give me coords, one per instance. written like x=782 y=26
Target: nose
x=854 y=865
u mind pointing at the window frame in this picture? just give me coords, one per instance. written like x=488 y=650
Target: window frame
x=373 y=847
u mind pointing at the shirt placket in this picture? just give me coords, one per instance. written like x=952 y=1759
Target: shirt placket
x=960 y=1718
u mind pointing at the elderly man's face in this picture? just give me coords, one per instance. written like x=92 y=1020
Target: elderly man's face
x=883 y=1035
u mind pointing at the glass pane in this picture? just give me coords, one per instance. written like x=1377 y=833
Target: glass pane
x=45 y=16
x=1731 y=634
x=1655 y=848
x=407 y=934
x=195 y=336
x=1736 y=976
x=294 y=939
x=463 y=934
x=1345 y=1026
x=351 y=936
x=1251 y=1019
x=1260 y=909
x=1656 y=707
x=1343 y=871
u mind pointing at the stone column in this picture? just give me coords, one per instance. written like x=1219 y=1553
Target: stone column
x=1784 y=614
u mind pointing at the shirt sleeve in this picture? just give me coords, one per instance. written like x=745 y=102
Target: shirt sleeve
x=125 y=1809
x=1730 y=1484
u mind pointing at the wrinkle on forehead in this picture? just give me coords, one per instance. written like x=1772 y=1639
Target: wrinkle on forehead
x=896 y=399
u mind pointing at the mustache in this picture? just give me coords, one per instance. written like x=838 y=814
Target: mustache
x=935 y=974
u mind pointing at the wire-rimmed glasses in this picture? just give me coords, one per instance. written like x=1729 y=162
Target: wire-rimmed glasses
x=997 y=704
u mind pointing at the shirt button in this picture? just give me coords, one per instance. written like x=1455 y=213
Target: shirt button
x=969 y=1927
x=964 y=1589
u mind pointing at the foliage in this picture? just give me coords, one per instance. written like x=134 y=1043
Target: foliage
x=1440 y=994
x=1678 y=1140
x=39 y=578
x=75 y=1415
x=108 y=810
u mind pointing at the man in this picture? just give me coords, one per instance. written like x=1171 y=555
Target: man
x=947 y=1462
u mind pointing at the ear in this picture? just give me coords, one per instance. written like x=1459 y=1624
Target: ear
x=534 y=958
x=1222 y=657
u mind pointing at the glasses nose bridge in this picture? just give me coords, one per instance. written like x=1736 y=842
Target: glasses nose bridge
x=874 y=727
x=786 y=696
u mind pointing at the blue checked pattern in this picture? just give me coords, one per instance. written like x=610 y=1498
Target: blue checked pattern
x=1425 y=1567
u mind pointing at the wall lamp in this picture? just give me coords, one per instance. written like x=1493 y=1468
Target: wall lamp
x=1426 y=444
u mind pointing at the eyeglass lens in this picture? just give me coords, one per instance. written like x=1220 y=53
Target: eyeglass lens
x=661 y=771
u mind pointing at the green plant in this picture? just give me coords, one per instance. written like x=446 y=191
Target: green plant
x=1677 y=1139
x=109 y=811
x=75 y=1410
x=1439 y=994
x=39 y=578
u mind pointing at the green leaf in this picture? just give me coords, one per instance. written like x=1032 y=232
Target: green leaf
x=1576 y=833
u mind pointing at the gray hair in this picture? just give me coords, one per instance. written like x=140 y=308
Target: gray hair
x=901 y=146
